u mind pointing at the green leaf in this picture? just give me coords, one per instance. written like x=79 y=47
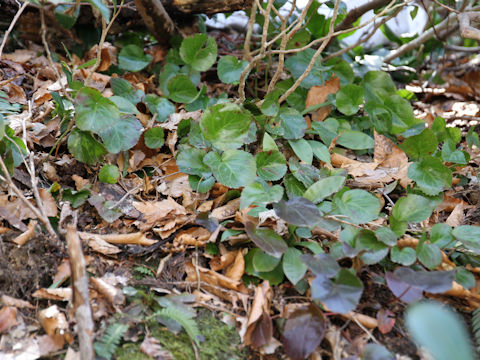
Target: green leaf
x=378 y=86
x=293 y=186
x=124 y=89
x=465 y=278
x=302 y=149
x=235 y=168
x=229 y=69
x=159 y=106
x=190 y=161
x=324 y=188
x=104 y=10
x=132 y=58
x=200 y=51
x=201 y=184
x=83 y=146
x=154 y=138
x=359 y=205
x=429 y=255
x=406 y=256
x=123 y=135
x=469 y=236
x=3 y=123
x=262 y=262
x=76 y=198
x=439 y=127
x=298 y=64
x=266 y=239
x=268 y=143
x=226 y=126
x=271 y=165
x=94 y=112
x=124 y=105
x=181 y=89
x=292 y=123
x=420 y=145
x=293 y=266
x=451 y=154
x=260 y=194
x=430 y=175
x=62 y=16
x=323 y=265
x=341 y=295
x=349 y=98
x=109 y=174
x=413 y=208
x=298 y=211
x=355 y=140
x=386 y=235
x=472 y=137
x=402 y=114
x=440 y=331
x=320 y=151
x=441 y=235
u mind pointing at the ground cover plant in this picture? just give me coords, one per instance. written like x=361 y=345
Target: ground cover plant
x=277 y=191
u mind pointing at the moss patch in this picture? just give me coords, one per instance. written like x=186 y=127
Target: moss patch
x=220 y=342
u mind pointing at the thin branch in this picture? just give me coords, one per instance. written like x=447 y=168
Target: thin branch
x=315 y=56
x=466 y=30
x=12 y=25
x=446 y=7
x=248 y=37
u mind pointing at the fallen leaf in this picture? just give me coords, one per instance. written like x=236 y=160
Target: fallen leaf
x=226 y=211
x=386 y=320
x=61 y=294
x=49 y=203
x=21 y=239
x=237 y=269
x=259 y=325
x=8 y=318
x=158 y=213
x=319 y=94
x=151 y=347
x=457 y=216
x=18 y=303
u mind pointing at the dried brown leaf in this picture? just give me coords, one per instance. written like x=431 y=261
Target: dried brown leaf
x=8 y=318
x=319 y=94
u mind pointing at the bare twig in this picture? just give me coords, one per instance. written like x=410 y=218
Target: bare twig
x=466 y=30
x=315 y=56
x=12 y=25
x=446 y=7
x=248 y=37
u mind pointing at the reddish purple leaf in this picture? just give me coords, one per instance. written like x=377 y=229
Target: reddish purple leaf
x=303 y=332
x=386 y=321
x=263 y=331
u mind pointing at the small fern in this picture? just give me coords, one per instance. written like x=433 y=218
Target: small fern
x=476 y=327
x=143 y=271
x=107 y=345
x=184 y=319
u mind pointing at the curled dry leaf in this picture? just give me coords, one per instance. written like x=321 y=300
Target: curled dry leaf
x=49 y=204
x=55 y=325
x=114 y=296
x=21 y=239
x=319 y=94
x=8 y=318
x=137 y=238
x=18 y=303
x=108 y=55
x=386 y=320
x=457 y=216
x=151 y=347
x=163 y=214
x=226 y=211
x=210 y=277
x=237 y=269
x=194 y=236
x=99 y=245
x=259 y=325
x=63 y=272
x=221 y=262
x=60 y=294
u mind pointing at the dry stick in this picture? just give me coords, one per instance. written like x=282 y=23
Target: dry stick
x=283 y=44
x=12 y=25
x=363 y=40
x=466 y=30
x=446 y=7
x=248 y=37
x=105 y=30
x=253 y=62
x=81 y=303
x=265 y=28
x=314 y=57
x=427 y=35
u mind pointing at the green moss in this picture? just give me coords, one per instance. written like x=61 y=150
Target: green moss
x=131 y=352
x=221 y=342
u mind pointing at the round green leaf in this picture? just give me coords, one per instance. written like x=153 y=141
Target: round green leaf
x=386 y=235
x=132 y=58
x=235 y=168
x=430 y=175
x=413 y=208
x=355 y=140
x=271 y=165
x=440 y=331
x=226 y=126
x=159 y=106
x=420 y=145
x=349 y=98
x=260 y=194
x=181 y=89
x=109 y=174
x=154 y=138
x=359 y=205
x=406 y=256
x=320 y=151
x=229 y=69
x=200 y=51
x=324 y=188
x=469 y=236
x=85 y=148
x=292 y=123
x=124 y=105
x=262 y=262
x=201 y=184
x=441 y=235
x=93 y=112
x=429 y=255
x=293 y=266
x=123 y=135
x=190 y=161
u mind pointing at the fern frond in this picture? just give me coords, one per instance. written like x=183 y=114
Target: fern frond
x=143 y=271
x=476 y=327
x=107 y=345
x=184 y=319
